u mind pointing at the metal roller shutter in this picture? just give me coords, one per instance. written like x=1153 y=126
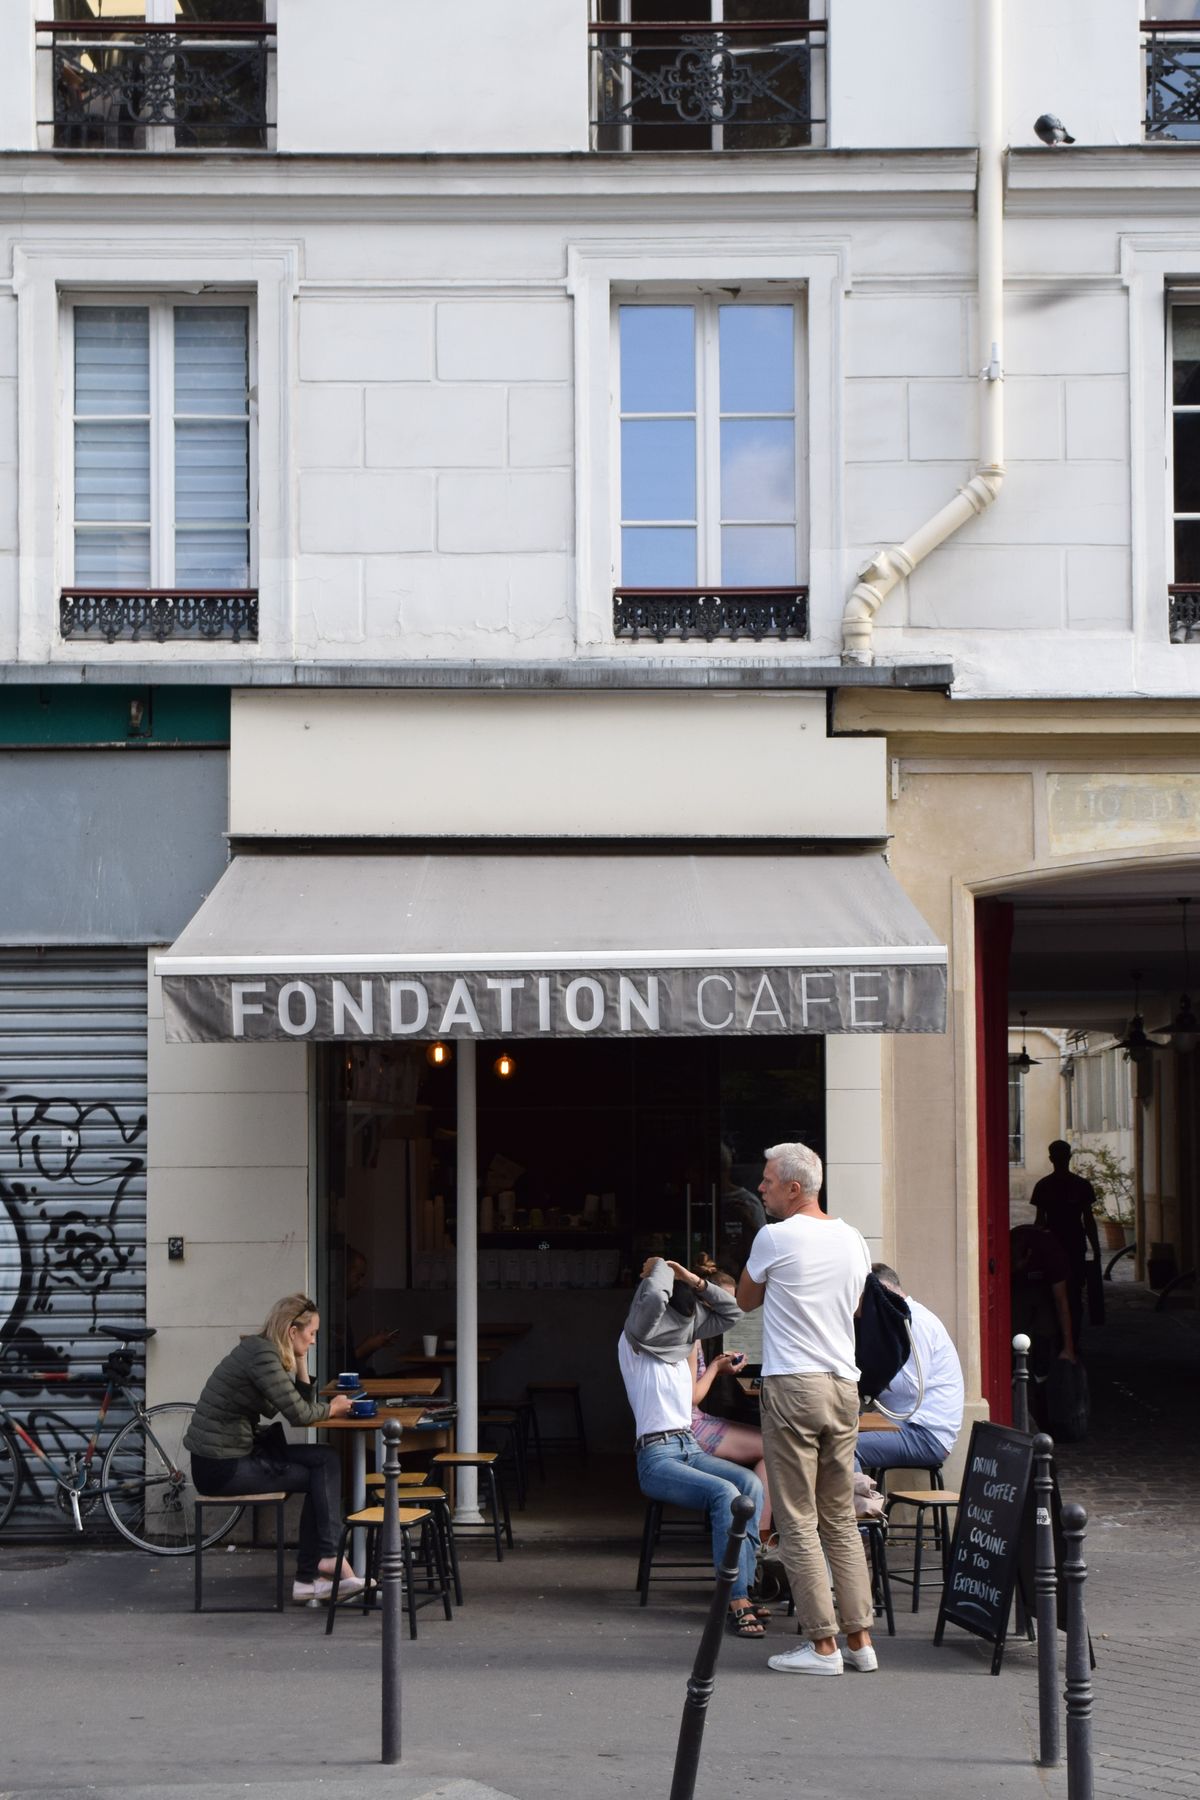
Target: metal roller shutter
x=72 y=1187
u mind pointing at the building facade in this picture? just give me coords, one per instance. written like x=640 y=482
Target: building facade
x=609 y=478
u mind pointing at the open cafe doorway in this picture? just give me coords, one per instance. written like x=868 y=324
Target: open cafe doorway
x=592 y=1156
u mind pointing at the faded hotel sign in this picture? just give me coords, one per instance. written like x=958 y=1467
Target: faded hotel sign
x=1113 y=812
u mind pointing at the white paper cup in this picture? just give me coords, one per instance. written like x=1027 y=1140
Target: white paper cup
x=429 y=1346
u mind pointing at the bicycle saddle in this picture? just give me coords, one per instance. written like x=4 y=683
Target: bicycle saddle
x=127 y=1334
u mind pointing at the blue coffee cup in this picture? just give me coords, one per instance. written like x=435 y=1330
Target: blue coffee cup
x=364 y=1409
x=348 y=1381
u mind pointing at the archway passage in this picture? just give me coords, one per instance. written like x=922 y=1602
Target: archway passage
x=1099 y=964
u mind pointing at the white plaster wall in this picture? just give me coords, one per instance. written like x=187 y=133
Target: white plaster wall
x=905 y=76
x=18 y=112
x=462 y=75
x=548 y=765
x=854 y=1135
x=228 y=1137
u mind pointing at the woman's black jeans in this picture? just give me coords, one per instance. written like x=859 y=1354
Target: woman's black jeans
x=313 y=1470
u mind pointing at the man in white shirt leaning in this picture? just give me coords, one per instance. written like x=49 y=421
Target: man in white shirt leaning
x=926 y=1397
x=807 y=1271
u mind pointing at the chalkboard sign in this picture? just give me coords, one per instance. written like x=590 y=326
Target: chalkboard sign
x=992 y=1537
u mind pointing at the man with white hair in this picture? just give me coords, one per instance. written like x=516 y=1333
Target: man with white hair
x=807 y=1271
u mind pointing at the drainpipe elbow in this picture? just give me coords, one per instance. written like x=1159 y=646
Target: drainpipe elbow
x=876 y=581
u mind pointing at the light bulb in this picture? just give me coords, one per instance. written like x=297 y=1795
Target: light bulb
x=439 y=1054
x=504 y=1066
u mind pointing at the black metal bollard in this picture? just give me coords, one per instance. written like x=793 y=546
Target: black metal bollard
x=1020 y=1381
x=1079 y=1658
x=391 y=1574
x=1046 y=1588
x=701 y=1680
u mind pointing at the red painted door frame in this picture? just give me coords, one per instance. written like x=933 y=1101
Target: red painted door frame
x=993 y=941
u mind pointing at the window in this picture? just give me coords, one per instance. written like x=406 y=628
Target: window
x=158 y=74
x=1184 y=322
x=707 y=74
x=1171 y=39
x=160 y=442
x=709 y=478
x=1016 y=1116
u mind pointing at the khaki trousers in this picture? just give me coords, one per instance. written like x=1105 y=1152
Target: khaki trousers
x=810 y=1428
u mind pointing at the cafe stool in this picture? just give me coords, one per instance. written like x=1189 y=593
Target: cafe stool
x=370 y=1519
x=654 y=1530
x=561 y=1393
x=495 y=1418
x=415 y=1491
x=937 y=1502
x=485 y=1462
x=278 y=1501
x=531 y=1436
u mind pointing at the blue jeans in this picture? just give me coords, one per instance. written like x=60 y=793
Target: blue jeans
x=909 y=1446
x=679 y=1472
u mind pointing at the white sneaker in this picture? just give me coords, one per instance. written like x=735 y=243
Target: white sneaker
x=864 y=1660
x=304 y=1591
x=805 y=1660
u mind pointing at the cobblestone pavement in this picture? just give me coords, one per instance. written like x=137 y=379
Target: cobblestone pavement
x=1138 y=1475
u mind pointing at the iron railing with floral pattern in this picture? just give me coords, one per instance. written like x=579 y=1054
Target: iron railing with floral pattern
x=1184 y=617
x=160 y=613
x=709 y=613
x=737 y=85
x=159 y=87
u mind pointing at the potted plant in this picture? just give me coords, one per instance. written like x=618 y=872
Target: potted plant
x=1113 y=1186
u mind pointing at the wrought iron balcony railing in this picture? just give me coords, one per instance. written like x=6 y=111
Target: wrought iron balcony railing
x=160 y=613
x=1172 y=48
x=158 y=87
x=729 y=86
x=708 y=613
x=1184 y=602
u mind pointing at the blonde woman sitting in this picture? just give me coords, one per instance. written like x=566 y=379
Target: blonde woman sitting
x=231 y=1454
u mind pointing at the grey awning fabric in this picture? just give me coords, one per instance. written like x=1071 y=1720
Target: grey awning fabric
x=505 y=946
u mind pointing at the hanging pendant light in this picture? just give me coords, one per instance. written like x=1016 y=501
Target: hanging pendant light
x=1183 y=1033
x=1137 y=1040
x=1024 y=1062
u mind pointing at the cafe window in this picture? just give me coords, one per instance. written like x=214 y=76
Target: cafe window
x=710 y=455
x=591 y=1157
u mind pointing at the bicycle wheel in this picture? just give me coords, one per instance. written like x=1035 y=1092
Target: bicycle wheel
x=10 y=1475
x=147 y=1485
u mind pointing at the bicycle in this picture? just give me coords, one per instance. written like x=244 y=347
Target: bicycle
x=144 y=1481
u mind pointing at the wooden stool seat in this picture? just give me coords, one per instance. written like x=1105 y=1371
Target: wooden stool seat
x=373 y=1515
x=925 y=1496
x=239 y=1499
x=462 y=1459
x=416 y=1479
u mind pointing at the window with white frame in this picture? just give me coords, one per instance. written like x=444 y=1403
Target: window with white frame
x=1184 y=401
x=160 y=477
x=1016 y=1116
x=710 y=457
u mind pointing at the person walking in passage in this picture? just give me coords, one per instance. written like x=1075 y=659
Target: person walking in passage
x=807 y=1272
x=1064 y=1205
x=671 y=1310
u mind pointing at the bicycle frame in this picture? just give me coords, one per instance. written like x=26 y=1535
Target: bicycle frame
x=73 y=1482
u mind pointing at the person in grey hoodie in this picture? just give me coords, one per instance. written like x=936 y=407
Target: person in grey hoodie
x=671 y=1309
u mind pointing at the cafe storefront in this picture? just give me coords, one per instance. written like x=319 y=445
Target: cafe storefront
x=531 y=1057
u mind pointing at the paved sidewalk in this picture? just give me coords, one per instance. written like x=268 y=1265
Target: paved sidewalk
x=1138 y=1475
x=550 y=1682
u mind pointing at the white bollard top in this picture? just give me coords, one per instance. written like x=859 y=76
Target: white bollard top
x=1021 y=1342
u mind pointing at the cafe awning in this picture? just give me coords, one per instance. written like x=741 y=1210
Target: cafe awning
x=508 y=946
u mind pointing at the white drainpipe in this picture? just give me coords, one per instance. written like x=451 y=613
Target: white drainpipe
x=897 y=563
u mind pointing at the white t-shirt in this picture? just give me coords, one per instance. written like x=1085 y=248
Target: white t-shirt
x=815 y=1271
x=941 y=1408
x=660 y=1393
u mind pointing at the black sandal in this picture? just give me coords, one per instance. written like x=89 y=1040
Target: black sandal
x=744 y=1622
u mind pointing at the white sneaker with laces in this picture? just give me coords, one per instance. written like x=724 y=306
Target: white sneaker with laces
x=864 y=1660
x=304 y=1591
x=805 y=1660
